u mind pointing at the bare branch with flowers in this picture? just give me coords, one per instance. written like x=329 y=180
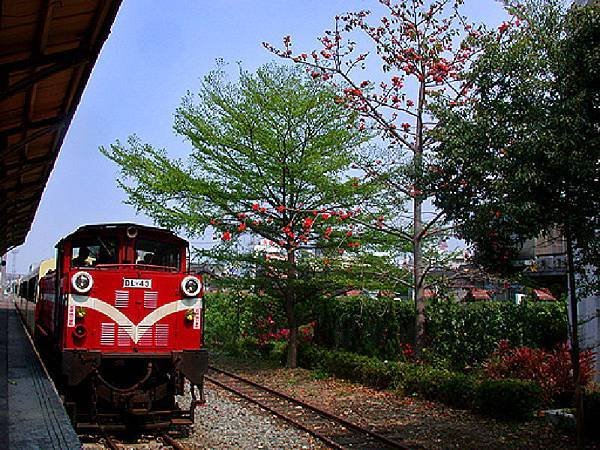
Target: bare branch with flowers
x=421 y=50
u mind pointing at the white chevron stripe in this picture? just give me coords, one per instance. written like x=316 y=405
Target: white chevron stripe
x=123 y=321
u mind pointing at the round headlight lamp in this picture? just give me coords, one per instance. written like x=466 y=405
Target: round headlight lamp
x=82 y=282
x=79 y=332
x=191 y=286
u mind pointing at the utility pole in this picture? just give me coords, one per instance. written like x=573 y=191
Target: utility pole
x=2 y=275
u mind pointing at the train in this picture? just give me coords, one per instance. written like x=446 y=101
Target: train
x=118 y=319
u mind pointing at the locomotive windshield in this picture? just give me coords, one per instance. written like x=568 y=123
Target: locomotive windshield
x=94 y=251
x=157 y=253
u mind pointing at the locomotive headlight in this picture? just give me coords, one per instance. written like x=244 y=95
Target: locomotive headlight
x=191 y=286
x=82 y=282
x=79 y=332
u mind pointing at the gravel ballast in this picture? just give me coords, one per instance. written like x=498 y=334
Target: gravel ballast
x=227 y=422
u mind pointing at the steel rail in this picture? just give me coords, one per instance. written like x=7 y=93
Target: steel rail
x=110 y=443
x=326 y=414
x=276 y=413
x=172 y=442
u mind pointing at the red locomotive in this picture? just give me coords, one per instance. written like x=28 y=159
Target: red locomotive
x=120 y=323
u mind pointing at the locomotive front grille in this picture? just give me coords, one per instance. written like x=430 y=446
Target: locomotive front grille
x=121 y=299
x=145 y=331
x=161 y=335
x=123 y=338
x=107 y=334
x=150 y=299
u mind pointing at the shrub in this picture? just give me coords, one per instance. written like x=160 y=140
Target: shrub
x=423 y=380
x=513 y=399
x=241 y=322
x=458 y=390
x=468 y=333
x=278 y=352
x=462 y=334
x=370 y=326
x=551 y=370
x=508 y=399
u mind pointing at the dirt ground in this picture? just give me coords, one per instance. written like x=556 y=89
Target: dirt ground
x=418 y=423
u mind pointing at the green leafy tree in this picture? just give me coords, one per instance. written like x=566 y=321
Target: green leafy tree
x=270 y=154
x=523 y=157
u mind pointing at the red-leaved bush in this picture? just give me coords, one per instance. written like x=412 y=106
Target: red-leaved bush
x=552 y=370
x=407 y=350
x=305 y=333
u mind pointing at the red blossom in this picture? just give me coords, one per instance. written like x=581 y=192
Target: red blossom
x=241 y=227
x=353 y=91
x=308 y=223
x=226 y=236
x=280 y=208
x=255 y=206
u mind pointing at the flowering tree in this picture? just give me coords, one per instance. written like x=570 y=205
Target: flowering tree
x=415 y=49
x=269 y=159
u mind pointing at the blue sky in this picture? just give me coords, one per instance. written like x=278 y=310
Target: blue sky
x=156 y=52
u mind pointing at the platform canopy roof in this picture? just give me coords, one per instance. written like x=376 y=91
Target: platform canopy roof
x=47 y=51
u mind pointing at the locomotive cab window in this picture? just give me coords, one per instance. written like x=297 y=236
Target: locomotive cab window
x=157 y=253
x=92 y=252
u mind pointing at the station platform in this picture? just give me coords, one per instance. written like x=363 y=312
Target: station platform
x=31 y=413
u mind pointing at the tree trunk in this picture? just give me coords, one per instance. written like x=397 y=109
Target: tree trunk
x=417 y=280
x=290 y=310
x=418 y=228
x=575 y=341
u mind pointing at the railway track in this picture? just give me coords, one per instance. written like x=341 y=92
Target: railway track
x=114 y=444
x=334 y=431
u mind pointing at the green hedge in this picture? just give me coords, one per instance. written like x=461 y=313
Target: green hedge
x=467 y=333
x=462 y=333
x=505 y=399
x=374 y=327
x=234 y=321
x=457 y=334
x=508 y=399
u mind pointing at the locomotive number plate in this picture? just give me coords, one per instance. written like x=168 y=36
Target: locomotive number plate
x=137 y=283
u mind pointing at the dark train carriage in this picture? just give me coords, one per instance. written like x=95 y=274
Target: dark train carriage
x=123 y=320
x=26 y=291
